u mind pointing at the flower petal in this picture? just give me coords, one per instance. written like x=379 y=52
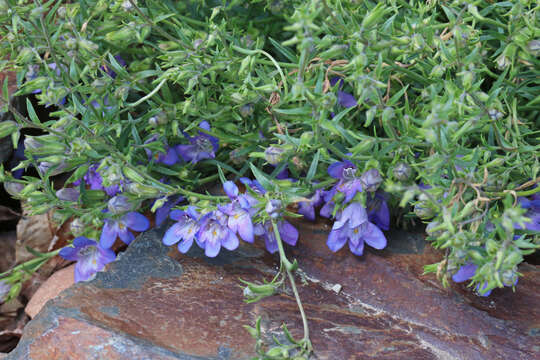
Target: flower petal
x=176 y=214
x=69 y=253
x=105 y=256
x=335 y=170
x=126 y=236
x=307 y=209
x=108 y=234
x=85 y=269
x=136 y=221
x=465 y=272
x=230 y=242
x=374 y=237
x=346 y=100
x=171 y=235
x=82 y=241
x=185 y=245
x=270 y=242
x=358 y=248
x=245 y=227
x=288 y=233
x=212 y=247
x=336 y=240
x=230 y=189
x=170 y=158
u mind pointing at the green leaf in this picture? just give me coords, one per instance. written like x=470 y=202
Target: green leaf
x=31 y=113
x=313 y=167
x=262 y=178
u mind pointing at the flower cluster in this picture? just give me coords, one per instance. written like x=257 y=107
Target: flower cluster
x=224 y=225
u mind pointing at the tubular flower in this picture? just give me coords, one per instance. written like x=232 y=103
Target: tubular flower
x=349 y=180
x=168 y=158
x=345 y=99
x=184 y=231
x=202 y=146
x=352 y=224
x=120 y=228
x=214 y=233
x=468 y=270
x=239 y=220
x=307 y=208
x=378 y=212
x=91 y=257
x=288 y=233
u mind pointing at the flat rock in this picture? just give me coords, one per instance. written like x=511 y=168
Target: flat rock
x=58 y=282
x=154 y=303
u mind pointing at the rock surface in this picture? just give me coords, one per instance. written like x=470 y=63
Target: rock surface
x=58 y=282
x=154 y=303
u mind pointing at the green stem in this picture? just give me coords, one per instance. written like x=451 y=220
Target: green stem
x=276 y=64
x=289 y=267
x=150 y=94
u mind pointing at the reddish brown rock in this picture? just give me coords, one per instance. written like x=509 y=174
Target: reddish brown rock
x=58 y=282
x=150 y=305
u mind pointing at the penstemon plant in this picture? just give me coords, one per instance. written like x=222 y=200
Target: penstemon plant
x=371 y=114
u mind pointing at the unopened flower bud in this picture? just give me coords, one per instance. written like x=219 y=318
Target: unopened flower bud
x=4 y=290
x=13 y=188
x=273 y=155
x=273 y=208
x=99 y=85
x=61 y=12
x=68 y=194
x=45 y=166
x=236 y=158
x=509 y=277
x=246 y=110
x=77 y=227
x=71 y=43
x=127 y=6
x=119 y=204
x=371 y=180
x=402 y=171
x=329 y=100
x=276 y=7
x=431 y=226
x=534 y=46
x=298 y=162
x=88 y=45
x=495 y=114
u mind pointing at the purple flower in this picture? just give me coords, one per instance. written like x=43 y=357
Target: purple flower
x=345 y=99
x=349 y=182
x=287 y=232
x=119 y=228
x=371 y=180
x=203 y=146
x=378 y=212
x=168 y=158
x=307 y=208
x=214 y=233
x=253 y=185
x=352 y=224
x=165 y=209
x=94 y=180
x=90 y=256
x=328 y=208
x=468 y=270
x=237 y=210
x=185 y=229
